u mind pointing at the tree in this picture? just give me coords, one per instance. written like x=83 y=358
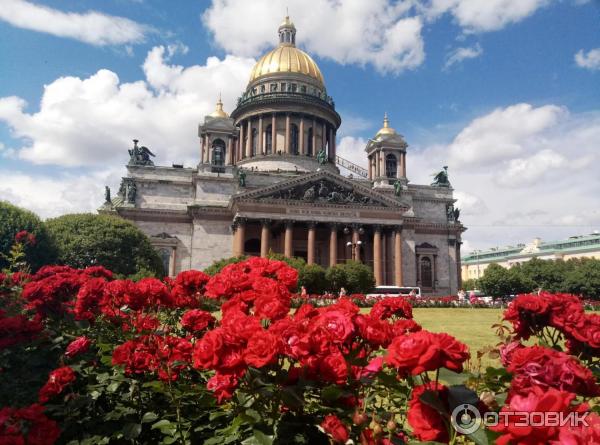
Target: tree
x=13 y=219
x=312 y=277
x=544 y=274
x=584 y=278
x=498 y=281
x=85 y=239
x=470 y=284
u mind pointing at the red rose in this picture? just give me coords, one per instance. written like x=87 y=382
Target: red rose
x=453 y=352
x=335 y=428
x=25 y=237
x=89 y=297
x=373 y=330
x=507 y=350
x=528 y=314
x=414 y=353
x=401 y=327
x=222 y=385
x=391 y=306
x=29 y=425
x=262 y=349
x=336 y=323
x=426 y=422
x=333 y=368
x=208 y=349
x=196 y=320
x=270 y=307
x=78 y=346
x=57 y=381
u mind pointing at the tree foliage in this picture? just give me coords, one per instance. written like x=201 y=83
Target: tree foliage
x=216 y=266
x=312 y=277
x=13 y=219
x=355 y=277
x=86 y=239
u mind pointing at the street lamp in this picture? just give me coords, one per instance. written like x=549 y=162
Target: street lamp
x=355 y=245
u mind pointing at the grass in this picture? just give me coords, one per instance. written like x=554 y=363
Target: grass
x=471 y=326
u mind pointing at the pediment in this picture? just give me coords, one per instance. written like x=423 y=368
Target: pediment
x=322 y=188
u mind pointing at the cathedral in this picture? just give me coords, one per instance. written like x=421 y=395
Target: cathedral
x=268 y=180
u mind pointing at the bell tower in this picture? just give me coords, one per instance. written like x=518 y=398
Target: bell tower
x=386 y=153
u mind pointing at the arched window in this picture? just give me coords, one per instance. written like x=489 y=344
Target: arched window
x=269 y=139
x=254 y=141
x=426 y=272
x=165 y=256
x=391 y=166
x=218 y=152
x=294 y=139
x=309 y=148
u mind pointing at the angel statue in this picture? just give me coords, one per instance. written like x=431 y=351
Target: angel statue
x=321 y=156
x=140 y=155
x=441 y=179
x=397 y=187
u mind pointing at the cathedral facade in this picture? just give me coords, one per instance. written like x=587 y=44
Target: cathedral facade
x=268 y=179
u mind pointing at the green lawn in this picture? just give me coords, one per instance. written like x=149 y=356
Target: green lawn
x=470 y=326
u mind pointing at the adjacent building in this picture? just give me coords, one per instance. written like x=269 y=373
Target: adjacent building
x=268 y=179
x=582 y=246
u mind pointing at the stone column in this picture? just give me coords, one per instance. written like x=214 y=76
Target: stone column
x=206 y=149
x=229 y=155
x=324 y=135
x=202 y=149
x=239 y=237
x=249 y=139
x=377 y=164
x=264 y=238
x=332 y=144
x=289 y=236
x=355 y=240
x=382 y=160
x=398 y=256
x=172 y=262
x=377 y=255
x=310 y=254
x=434 y=272
x=314 y=138
x=261 y=149
x=333 y=244
x=242 y=147
x=288 y=146
x=273 y=134
x=404 y=165
x=301 y=141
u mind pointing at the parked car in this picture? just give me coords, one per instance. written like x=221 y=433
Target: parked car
x=394 y=291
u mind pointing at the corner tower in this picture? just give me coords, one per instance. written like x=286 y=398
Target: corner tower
x=285 y=117
x=386 y=153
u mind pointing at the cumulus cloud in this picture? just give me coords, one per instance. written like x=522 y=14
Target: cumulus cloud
x=482 y=16
x=520 y=171
x=589 y=60
x=91 y=27
x=379 y=32
x=463 y=53
x=91 y=121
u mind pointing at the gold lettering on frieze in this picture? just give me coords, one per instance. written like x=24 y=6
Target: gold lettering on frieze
x=319 y=212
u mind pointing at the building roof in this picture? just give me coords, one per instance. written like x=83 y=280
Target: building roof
x=538 y=247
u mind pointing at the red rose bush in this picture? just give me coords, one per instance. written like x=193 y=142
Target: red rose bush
x=88 y=357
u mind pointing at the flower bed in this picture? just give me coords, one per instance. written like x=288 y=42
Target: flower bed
x=89 y=359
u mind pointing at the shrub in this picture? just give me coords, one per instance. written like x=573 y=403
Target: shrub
x=14 y=219
x=312 y=277
x=85 y=240
x=216 y=266
x=355 y=277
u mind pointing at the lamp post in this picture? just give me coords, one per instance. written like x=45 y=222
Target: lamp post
x=356 y=242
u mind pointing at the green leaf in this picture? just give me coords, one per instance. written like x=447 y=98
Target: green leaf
x=132 y=430
x=331 y=393
x=113 y=386
x=149 y=417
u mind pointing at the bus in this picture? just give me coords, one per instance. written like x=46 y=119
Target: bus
x=394 y=291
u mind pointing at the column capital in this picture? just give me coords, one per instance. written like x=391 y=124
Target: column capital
x=311 y=224
x=288 y=222
x=334 y=225
x=377 y=227
x=265 y=222
x=239 y=221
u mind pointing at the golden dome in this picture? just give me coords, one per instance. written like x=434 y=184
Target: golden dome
x=219 y=110
x=386 y=129
x=286 y=58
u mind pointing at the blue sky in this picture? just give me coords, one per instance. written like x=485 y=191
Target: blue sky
x=507 y=93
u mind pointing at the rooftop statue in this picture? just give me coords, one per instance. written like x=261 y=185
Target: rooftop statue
x=241 y=177
x=107 y=198
x=140 y=155
x=397 y=187
x=322 y=156
x=441 y=179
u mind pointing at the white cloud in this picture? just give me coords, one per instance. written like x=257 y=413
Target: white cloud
x=519 y=172
x=91 y=27
x=51 y=196
x=352 y=149
x=91 y=121
x=483 y=15
x=378 y=32
x=463 y=53
x=589 y=60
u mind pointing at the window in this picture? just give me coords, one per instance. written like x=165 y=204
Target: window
x=218 y=152
x=165 y=256
x=294 y=87
x=294 y=139
x=282 y=86
x=391 y=166
x=269 y=139
x=303 y=88
x=262 y=88
x=273 y=87
x=426 y=272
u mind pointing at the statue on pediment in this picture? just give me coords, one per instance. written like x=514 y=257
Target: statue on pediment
x=397 y=187
x=322 y=156
x=128 y=190
x=241 y=177
x=441 y=179
x=107 y=198
x=140 y=155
